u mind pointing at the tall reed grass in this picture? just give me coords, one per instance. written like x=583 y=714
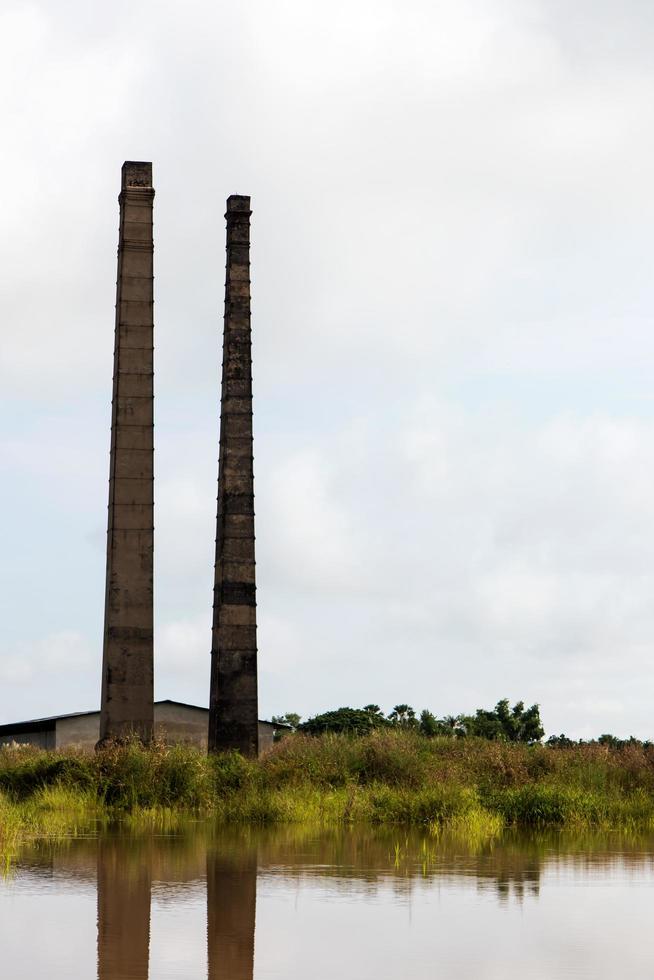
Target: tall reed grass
x=388 y=777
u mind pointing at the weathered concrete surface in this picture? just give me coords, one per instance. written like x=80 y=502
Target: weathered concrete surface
x=78 y=731
x=127 y=670
x=181 y=723
x=233 y=697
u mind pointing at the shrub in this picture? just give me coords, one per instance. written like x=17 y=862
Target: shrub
x=24 y=771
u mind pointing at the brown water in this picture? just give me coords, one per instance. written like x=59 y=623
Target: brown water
x=353 y=904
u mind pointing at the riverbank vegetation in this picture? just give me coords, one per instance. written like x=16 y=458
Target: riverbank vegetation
x=390 y=776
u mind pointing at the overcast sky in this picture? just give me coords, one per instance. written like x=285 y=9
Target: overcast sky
x=453 y=344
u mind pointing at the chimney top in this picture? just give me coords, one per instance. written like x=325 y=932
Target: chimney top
x=136 y=174
x=238 y=202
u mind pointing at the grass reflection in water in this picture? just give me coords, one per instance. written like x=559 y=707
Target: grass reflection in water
x=225 y=865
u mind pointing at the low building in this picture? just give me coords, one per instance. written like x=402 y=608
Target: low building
x=174 y=722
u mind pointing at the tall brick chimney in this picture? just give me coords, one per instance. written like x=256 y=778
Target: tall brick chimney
x=127 y=668
x=233 y=709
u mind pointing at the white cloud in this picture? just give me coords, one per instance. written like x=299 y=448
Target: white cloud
x=306 y=529
x=183 y=646
x=453 y=332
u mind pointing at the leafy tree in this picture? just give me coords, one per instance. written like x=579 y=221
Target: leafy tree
x=403 y=716
x=431 y=726
x=559 y=741
x=484 y=724
x=507 y=724
x=349 y=721
x=614 y=742
x=455 y=725
x=503 y=723
x=375 y=711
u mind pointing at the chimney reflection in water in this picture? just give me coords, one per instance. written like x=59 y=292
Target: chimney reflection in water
x=231 y=906
x=124 y=876
x=124 y=880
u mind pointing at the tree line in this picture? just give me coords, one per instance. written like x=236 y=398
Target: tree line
x=502 y=723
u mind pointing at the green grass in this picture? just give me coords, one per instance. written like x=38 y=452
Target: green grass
x=389 y=777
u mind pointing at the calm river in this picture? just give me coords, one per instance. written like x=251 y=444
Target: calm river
x=293 y=904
